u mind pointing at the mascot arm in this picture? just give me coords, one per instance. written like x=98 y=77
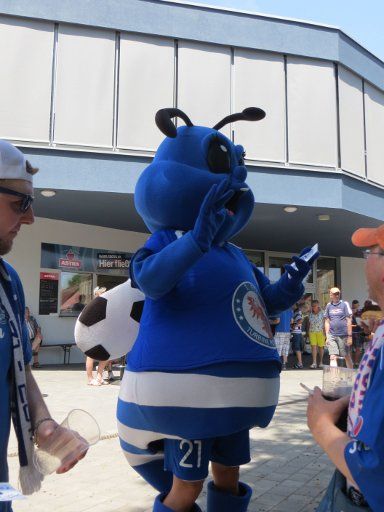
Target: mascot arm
x=158 y=273
x=281 y=295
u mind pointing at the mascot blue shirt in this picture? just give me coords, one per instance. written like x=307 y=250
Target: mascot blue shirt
x=215 y=313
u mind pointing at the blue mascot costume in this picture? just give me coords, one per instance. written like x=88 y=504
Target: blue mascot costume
x=204 y=368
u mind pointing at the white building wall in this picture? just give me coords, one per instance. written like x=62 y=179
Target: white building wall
x=353 y=284
x=25 y=256
x=106 y=87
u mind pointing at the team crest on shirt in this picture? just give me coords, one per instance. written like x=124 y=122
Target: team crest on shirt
x=249 y=313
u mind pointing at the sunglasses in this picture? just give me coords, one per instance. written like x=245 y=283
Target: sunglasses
x=369 y=252
x=26 y=199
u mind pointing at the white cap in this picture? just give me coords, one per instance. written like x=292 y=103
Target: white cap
x=13 y=165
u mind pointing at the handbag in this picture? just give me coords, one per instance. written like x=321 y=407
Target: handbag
x=335 y=499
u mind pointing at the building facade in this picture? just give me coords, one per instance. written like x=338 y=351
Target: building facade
x=82 y=83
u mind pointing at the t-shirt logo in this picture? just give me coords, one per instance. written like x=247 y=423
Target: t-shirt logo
x=249 y=313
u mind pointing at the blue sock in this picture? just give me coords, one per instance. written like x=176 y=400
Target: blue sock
x=158 y=506
x=221 y=501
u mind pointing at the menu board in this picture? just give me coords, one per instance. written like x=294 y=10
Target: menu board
x=49 y=293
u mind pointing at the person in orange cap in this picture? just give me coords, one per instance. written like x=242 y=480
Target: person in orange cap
x=358 y=454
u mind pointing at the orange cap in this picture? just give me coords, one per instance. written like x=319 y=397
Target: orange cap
x=368 y=237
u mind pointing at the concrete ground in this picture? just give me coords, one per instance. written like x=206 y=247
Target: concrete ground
x=288 y=472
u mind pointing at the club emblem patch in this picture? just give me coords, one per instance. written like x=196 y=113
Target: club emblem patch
x=249 y=313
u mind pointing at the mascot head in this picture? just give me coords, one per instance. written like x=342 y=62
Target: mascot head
x=171 y=190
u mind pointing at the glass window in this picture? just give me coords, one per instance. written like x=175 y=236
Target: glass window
x=210 y=81
x=108 y=281
x=85 y=85
x=311 y=96
x=257 y=258
x=275 y=265
x=260 y=80
x=76 y=292
x=326 y=278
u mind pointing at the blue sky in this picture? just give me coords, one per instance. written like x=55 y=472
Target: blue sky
x=362 y=20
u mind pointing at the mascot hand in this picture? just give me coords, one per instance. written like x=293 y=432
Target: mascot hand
x=212 y=215
x=302 y=267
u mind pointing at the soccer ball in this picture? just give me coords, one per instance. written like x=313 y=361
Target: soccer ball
x=107 y=327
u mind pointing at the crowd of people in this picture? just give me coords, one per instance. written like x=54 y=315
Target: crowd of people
x=342 y=331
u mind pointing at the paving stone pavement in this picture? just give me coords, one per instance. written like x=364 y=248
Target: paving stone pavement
x=288 y=472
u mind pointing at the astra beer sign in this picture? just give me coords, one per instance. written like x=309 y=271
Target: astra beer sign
x=83 y=259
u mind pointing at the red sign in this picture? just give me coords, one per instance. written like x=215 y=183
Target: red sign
x=69 y=261
x=49 y=276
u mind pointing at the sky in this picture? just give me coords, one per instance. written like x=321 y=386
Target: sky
x=363 y=20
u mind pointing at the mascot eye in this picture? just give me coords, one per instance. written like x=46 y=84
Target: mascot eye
x=219 y=157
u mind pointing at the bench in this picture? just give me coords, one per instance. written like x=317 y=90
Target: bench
x=65 y=345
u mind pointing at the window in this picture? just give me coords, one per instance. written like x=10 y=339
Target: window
x=351 y=122
x=204 y=82
x=326 y=278
x=26 y=70
x=312 y=127
x=85 y=86
x=374 y=105
x=275 y=264
x=257 y=258
x=76 y=292
x=144 y=61
x=109 y=281
x=260 y=82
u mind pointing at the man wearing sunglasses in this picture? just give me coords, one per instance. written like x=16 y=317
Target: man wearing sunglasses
x=19 y=391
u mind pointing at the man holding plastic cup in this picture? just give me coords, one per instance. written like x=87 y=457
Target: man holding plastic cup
x=19 y=391
x=358 y=454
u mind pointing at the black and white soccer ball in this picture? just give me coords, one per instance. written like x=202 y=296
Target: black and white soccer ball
x=108 y=326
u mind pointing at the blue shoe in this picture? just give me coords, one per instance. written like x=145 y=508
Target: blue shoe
x=221 y=501
x=159 y=506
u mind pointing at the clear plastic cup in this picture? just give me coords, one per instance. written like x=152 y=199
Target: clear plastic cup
x=337 y=381
x=65 y=446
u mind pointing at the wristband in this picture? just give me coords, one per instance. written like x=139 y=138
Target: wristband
x=38 y=423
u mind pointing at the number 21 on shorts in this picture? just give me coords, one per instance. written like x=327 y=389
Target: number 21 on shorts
x=191 y=445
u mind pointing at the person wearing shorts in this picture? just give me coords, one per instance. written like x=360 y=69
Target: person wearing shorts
x=316 y=333
x=189 y=459
x=338 y=328
x=283 y=336
x=297 y=336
